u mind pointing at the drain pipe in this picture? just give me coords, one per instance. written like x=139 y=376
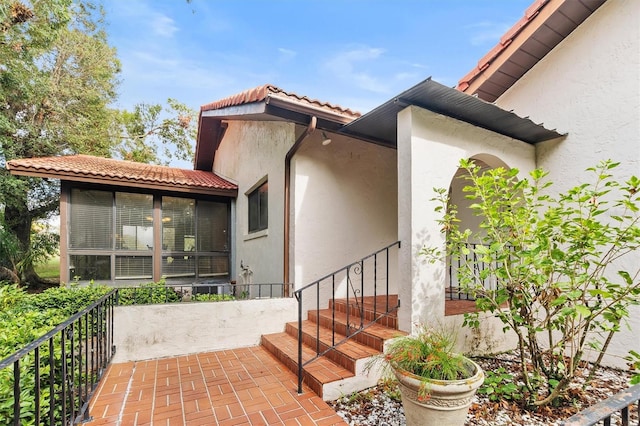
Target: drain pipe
x=287 y=198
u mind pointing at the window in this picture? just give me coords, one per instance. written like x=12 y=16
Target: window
x=195 y=238
x=134 y=221
x=258 y=208
x=112 y=238
x=91 y=219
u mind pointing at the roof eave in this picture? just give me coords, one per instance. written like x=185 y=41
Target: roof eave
x=121 y=182
x=277 y=107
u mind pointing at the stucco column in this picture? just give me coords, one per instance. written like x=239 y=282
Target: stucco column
x=424 y=163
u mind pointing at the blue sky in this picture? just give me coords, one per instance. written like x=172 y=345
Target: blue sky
x=354 y=53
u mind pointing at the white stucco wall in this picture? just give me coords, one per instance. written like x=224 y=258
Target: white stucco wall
x=430 y=147
x=250 y=151
x=344 y=205
x=589 y=87
x=156 y=331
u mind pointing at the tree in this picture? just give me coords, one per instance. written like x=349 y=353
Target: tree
x=56 y=83
x=562 y=288
x=58 y=78
x=142 y=129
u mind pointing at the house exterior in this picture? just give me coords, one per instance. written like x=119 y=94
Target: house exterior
x=299 y=207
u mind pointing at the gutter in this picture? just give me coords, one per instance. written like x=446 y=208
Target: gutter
x=287 y=197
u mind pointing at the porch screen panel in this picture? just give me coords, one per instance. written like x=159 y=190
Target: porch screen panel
x=90 y=267
x=178 y=266
x=134 y=221
x=134 y=267
x=91 y=224
x=213 y=226
x=213 y=266
x=178 y=224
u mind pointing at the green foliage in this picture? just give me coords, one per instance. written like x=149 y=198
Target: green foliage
x=57 y=80
x=634 y=365
x=49 y=269
x=499 y=385
x=204 y=297
x=429 y=354
x=140 y=131
x=149 y=293
x=390 y=388
x=26 y=317
x=559 y=263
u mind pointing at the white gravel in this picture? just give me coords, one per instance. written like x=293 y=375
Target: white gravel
x=376 y=407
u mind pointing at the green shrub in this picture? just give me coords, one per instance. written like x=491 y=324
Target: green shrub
x=204 y=297
x=26 y=317
x=147 y=294
x=562 y=289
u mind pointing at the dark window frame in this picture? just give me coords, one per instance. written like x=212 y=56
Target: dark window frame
x=258 y=207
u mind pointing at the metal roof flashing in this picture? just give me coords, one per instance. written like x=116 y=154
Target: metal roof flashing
x=381 y=123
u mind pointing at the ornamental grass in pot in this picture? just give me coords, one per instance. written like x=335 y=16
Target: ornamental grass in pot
x=437 y=384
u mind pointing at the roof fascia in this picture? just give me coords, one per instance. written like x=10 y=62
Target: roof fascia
x=492 y=62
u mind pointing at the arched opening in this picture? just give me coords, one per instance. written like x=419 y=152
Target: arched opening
x=457 y=299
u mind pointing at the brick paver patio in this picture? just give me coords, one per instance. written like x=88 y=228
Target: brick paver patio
x=246 y=386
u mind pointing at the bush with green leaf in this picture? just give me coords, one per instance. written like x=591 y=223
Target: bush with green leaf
x=562 y=284
x=500 y=385
x=26 y=317
x=205 y=297
x=149 y=293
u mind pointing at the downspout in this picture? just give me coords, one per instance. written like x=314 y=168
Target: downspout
x=287 y=198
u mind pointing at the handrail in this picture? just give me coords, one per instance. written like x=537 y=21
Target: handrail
x=603 y=410
x=205 y=292
x=356 y=268
x=85 y=342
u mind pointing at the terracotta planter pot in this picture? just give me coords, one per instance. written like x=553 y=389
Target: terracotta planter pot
x=447 y=402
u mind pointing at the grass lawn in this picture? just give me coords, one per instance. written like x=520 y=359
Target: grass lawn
x=50 y=269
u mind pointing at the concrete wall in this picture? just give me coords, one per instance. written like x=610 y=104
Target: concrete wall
x=430 y=147
x=589 y=87
x=344 y=206
x=155 y=331
x=251 y=151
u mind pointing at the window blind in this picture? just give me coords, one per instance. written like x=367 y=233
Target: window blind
x=91 y=225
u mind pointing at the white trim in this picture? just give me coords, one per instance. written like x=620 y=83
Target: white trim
x=257 y=234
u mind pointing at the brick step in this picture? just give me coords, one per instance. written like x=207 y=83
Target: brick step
x=317 y=373
x=372 y=309
x=347 y=354
x=373 y=335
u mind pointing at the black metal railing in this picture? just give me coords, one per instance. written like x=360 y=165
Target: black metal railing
x=469 y=258
x=198 y=292
x=54 y=377
x=363 y=277
x=620 y=404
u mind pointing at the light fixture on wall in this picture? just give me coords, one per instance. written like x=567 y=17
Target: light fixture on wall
x=326 y=140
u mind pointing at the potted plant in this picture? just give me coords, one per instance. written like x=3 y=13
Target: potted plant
x=436 y=383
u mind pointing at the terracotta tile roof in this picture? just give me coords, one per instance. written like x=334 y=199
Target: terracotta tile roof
x=544 y=24
x=262 y=93
x=505 y=41
x=86 y=168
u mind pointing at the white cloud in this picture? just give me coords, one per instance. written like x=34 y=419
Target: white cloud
x=286 y=55
x=347 y=65
x=483 y=33
x=163 y=26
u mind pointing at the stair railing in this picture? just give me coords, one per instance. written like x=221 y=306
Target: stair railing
x=362 y=279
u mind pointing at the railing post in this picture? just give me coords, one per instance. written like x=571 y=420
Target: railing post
x=299 y=343
x=16 y=392
x=37 y=389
